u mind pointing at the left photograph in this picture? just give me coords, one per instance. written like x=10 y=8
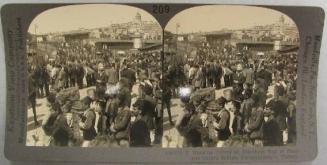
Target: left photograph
x=94 y=77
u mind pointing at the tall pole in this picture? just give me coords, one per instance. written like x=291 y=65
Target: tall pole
x=35 y=27
x=177 y=26
x=35 y=56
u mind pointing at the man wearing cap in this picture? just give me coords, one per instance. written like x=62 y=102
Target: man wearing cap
x=279 y=106
x=222 y=123
x=255 y=124
x=238 y=80
x=212 y=111
x=146 y=105
x=271 y=132
x=101 y=79
x=121 y=125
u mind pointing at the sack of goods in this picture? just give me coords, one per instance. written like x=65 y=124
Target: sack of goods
x=78 y=106
x=203 y=95
x=67 y=95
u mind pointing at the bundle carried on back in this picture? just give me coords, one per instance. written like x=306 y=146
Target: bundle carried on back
x=203 y=95
x=68 y=94
x=78 y=106
x=69 y=98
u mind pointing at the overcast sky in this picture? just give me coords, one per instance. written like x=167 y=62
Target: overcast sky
x=74 y=17
x=215 y=17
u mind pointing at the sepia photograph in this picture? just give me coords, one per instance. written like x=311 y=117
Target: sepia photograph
x=167 y=83
x=230 y=76
x=94 y=74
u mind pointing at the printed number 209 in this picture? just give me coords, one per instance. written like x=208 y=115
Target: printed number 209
x=160 y=9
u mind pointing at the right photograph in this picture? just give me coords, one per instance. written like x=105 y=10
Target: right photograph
x=229 y=76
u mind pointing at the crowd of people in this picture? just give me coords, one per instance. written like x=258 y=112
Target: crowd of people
x=127 y=94
x=257 y=106
x=122 y=106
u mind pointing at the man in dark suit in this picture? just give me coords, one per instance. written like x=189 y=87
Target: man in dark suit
x=80 y=75
x=124 y=94
x=219 y=74
x=32 y=96
x=255 y=125
x=238 y=80
x=265 y=75
x=101 y=80
x=222 y=122
x=129 y=74
x=45 y=78
x=146 y=105
x=279 y=107
x=112 y=75
x=271 y=131
x=72 y=74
